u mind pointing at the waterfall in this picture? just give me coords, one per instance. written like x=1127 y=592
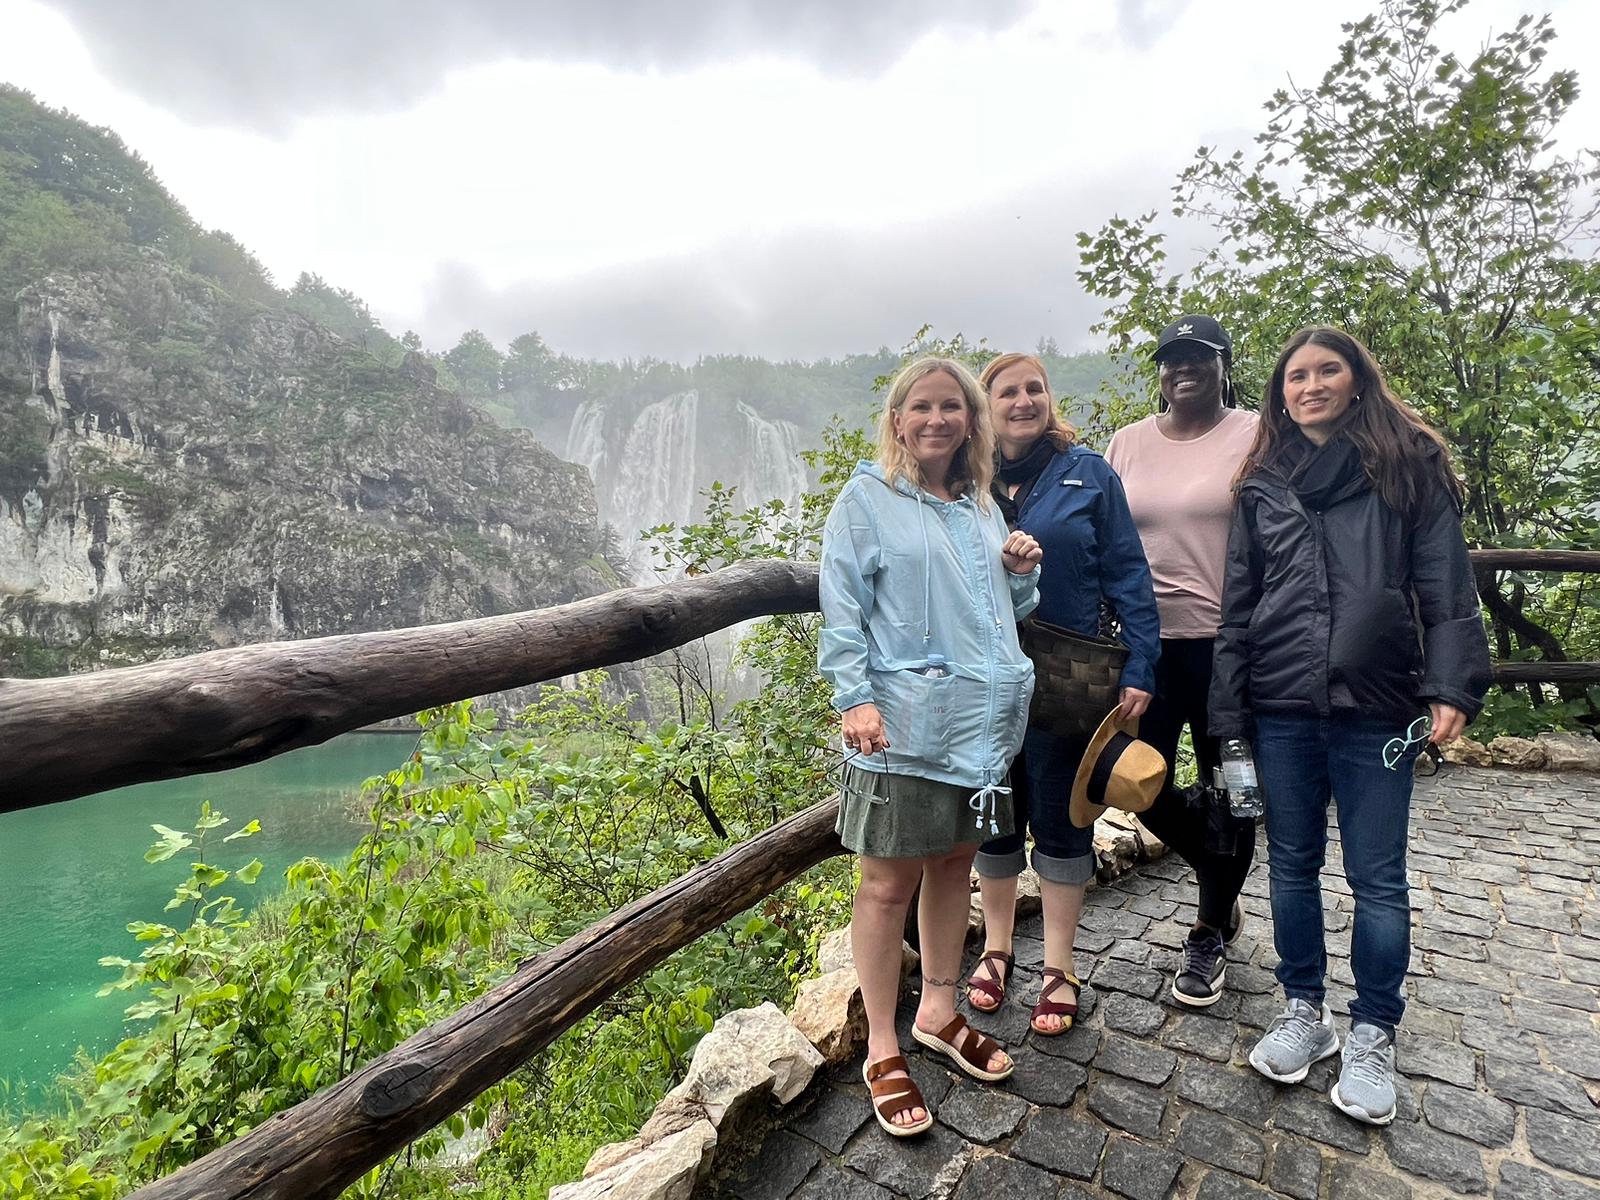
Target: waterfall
x=773 y=469
x=655 y=482
x=653 y=471
x=586 y=439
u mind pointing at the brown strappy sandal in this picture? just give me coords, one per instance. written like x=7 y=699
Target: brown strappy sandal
x=992 y=983
x=891 y=1097
x=966 y=1047
x=1054 y=980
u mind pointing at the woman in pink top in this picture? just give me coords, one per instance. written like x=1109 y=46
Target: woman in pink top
x=1177 y=467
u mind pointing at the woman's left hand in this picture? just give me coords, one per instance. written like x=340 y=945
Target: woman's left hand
x=1134 y=702
x=1020 y=553
x=1448 y=723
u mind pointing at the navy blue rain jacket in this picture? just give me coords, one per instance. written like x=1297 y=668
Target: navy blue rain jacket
x=1078 y=513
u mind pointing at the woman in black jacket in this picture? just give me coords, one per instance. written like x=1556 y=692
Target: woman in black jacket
x=1350 y=636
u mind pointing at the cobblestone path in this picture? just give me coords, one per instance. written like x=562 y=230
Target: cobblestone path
x=1499 y=1049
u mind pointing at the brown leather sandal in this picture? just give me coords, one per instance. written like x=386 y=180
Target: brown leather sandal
x=966 y=1047
x=891 y=1097
x=1054 y=980
x=991 y=983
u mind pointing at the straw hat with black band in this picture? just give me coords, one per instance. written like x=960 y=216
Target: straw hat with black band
x=1117 y=771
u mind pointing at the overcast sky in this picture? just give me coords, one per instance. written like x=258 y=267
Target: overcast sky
x=683 y=177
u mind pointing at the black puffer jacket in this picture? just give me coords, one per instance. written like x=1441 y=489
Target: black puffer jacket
x=1334 y=604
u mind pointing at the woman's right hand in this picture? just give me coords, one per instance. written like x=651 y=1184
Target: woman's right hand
x=1020 y=553
x=863 y=729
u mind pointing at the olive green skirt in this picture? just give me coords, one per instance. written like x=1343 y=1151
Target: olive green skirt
x=905 y=816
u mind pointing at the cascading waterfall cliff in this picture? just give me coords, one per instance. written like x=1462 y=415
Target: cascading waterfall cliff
x=651 y=464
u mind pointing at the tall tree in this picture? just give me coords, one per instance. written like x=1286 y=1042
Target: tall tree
x=1420 y=202
x=475 y=363
x=527 y=364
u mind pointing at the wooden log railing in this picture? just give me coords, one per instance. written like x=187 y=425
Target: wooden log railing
x=84 y=733
x=1508 y=674
x=69 y=737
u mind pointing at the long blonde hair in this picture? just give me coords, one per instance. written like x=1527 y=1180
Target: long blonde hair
x=972 y=469
x=1062 y=436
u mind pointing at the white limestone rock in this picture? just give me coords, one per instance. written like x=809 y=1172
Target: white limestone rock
x=1029 y=900
x=829 y=1012
x=610 y=1155
x=834 y=954
x=1121 y=840
x=1570 y=751
x=1467 y=753
x=748 y=1055
x=1517 y=753
x=667 y=1170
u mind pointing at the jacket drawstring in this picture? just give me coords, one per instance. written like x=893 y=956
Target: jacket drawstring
x=927 y=574
x=988 y=797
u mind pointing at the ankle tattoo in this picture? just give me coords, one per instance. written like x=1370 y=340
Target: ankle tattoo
x=930 y=981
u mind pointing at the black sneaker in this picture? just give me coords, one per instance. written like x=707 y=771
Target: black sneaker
x=1205 y=965
x=1235 y=924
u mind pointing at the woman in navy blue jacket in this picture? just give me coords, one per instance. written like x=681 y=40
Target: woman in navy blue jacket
x=1071 y=501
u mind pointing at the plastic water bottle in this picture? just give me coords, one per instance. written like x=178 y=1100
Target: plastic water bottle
x=936 y=668
x=1239 y=774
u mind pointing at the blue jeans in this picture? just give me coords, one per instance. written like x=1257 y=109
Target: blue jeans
x=1303 y=760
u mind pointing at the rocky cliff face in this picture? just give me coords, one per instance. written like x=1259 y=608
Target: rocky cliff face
x=180 y=470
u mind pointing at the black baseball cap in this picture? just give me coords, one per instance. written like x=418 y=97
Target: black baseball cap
x=1206 y=331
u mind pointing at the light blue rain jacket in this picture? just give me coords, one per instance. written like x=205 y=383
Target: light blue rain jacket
x=905 y=575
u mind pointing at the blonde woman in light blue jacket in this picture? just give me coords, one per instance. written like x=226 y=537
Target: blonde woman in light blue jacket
x=922 y=587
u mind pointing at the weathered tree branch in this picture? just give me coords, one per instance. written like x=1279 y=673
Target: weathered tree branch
x=1566 y=675
x=70 y=736
x=1579 y=561
x=321 y=1145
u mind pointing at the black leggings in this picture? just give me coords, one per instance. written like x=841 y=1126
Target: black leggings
x=1183 y=679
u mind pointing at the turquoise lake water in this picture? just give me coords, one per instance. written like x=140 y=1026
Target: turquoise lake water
x=73 y=875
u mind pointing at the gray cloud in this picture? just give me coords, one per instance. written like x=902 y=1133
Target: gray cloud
x=1143 y=23
x=261 y=65
x=1003 y=271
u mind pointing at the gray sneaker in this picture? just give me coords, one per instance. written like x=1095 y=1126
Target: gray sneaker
x=1365 y=1089
x=1299 y=1037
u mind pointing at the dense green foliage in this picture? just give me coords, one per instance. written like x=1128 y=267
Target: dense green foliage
x=1417 y=200
x=73 y=197
x=342 y=311
x=482 y=850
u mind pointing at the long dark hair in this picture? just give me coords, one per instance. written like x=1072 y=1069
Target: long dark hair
x=1404 y=457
